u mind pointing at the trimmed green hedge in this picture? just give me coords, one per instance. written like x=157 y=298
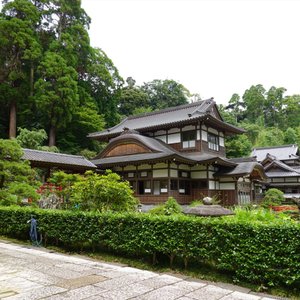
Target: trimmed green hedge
x=255 y=252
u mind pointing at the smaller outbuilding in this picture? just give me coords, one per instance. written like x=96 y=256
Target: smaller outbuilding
x=51 y=160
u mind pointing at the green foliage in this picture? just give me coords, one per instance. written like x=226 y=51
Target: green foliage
x=170 y=207
x=196 y=203
x=260 y=215
x=273 y=197
x=103 y=193
x=238 y=146
x=16 y=177
x=32 y=139
x=131 y=98
x=253 y=251
x=56 y=90
x=270 y=137
x=290 y=136
x=165 y=93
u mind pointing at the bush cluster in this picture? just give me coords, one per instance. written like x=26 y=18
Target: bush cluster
x=258 y=252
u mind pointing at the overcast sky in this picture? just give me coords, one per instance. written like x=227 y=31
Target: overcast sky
x=214 y=48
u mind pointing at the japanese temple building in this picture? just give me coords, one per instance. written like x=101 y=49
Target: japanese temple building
x=179 y=152
x=282 y=167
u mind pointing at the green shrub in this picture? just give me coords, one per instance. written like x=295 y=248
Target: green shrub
x=106 y=192
x=171 y=207
x=272 y=197
x=261 y=252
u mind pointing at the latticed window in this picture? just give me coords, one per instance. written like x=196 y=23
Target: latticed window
x=189 y=139
x=213 y=142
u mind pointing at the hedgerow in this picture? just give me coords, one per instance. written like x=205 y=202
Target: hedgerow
x=264 y=253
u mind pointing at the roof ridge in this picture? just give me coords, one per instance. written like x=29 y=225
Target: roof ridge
x=283 y=165
x=168 y=109
x=55 y=153
x=272 y=147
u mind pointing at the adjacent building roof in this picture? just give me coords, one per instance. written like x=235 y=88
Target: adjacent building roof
x=43 y=158
x=242 y=169
x=285 y=152
x=185 y=114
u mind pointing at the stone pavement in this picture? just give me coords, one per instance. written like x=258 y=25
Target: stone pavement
x=37 y=273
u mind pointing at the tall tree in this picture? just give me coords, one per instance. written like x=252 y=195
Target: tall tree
x=165 y=93
x=254 y=100
x=236 y=107
x=19 y=50
x=56 y=92
x=291 y=111
x=104 y=84
x=131 y=98
x=273 y=106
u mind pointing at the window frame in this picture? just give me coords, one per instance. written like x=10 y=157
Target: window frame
x=213 y=141
x=188 y=139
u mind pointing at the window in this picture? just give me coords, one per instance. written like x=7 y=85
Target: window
x=184 y=174
x=213 y=142
x=131 y=175
x=189 y=139
x=184 y=187
x=160 y=187
x=144 y=187
x=199 y=184
x=144 y=174
x=174 y=185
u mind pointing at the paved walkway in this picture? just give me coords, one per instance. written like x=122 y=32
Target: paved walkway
x=37 y=273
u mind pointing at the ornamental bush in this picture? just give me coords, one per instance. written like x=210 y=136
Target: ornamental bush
x=260 y=252
x=101 y=193
x=273 y=197
x=170 y=207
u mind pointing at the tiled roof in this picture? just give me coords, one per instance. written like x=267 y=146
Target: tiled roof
x=174 y=115
x=285 y=152
x=160 y=150
x=284 y=167
x=241 y=169
x=283 y=174
x=57 y=159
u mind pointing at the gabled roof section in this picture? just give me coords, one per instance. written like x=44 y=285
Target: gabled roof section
x=205 y=110
x=151 y=144
x=242 y=169
x=160 y=151
x=44 y=158
x=285 y=152
x=281 y=166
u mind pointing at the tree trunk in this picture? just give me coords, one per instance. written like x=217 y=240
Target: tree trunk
x=52 y=135
x=31 y=79
x=13 y=120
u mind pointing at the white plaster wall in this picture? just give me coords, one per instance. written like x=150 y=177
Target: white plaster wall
x=198 y=174
x=173 y=173
x=160 y=173
x=144 y=167
x=160 y=165
x=184 y=167
x=204 y=136
x=162 y=138
x=189 y=127
x=212 y=130
x=211 y=185
x=221 y=141
x=129 y=168
x=174 y=138
x=198 y=168
x=227 y=186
